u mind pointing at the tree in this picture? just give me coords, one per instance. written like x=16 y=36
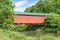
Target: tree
x=35 y=8
x=6 y=13
x=45 y=6
x=52 y=22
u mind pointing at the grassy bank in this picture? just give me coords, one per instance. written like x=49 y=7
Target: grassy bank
x=10 y=35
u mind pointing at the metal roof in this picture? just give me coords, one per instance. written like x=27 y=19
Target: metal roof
x=25 y=13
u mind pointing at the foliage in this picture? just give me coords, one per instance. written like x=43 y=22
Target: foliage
x=45 y=6
x=34 y=27
x=26 y=27
x=10 y=35
x=52 y=22
x=19 y=27
x=48 y=37
x=6 y=13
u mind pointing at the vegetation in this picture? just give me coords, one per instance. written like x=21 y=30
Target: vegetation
x=11 y=35
x=52 y=8
x=19 y=27
x=6 y=14
x=45 y=6
x=52 y=22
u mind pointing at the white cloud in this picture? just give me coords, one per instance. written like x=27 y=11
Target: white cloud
x=20 y=9
x=32 y=3
x=20 y=3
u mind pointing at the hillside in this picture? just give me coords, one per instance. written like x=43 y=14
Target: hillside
x=45 y=6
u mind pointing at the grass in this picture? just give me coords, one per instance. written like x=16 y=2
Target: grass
x=3 y=36
x=10 y=35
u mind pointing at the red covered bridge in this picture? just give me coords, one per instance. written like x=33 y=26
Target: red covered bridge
x=27 y=18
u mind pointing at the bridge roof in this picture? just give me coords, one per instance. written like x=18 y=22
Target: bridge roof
x=25 y=13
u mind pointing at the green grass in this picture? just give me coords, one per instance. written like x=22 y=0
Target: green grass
x=3 y=36
x=10 y=35
x=47 y=37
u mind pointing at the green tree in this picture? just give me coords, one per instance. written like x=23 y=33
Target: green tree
x=45 y=6
x=52 y=22
x=6 y=13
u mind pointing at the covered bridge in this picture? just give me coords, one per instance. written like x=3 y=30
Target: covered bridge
x=29 y=18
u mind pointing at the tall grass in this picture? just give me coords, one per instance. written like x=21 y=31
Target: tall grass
x=10 y=35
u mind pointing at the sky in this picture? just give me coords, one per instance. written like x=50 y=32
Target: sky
x=21 y=5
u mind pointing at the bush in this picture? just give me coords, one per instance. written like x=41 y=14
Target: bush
x=19 y=27
x=50 y=30
x=52 y=21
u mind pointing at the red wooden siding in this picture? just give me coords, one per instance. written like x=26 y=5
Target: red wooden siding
x=28 y=19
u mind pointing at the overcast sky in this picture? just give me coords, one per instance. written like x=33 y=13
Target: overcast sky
x=21 y=5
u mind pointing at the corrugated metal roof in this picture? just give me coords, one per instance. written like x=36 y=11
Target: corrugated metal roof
x=25 y=13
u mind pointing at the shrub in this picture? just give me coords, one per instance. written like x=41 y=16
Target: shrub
x=50 y=30
x=52 y=21
x=19 y=27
